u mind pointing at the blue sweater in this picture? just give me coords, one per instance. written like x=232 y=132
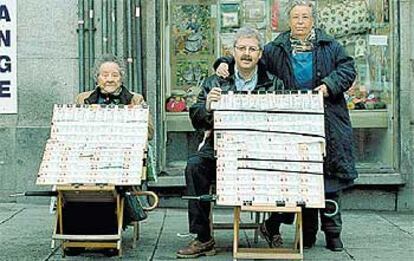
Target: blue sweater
x=302 y=69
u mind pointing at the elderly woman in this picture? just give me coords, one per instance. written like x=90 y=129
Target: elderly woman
x=98 y=217
x=110 y=90
x=306 y=58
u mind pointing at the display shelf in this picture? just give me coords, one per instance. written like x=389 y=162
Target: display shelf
x=369 y=118
x=178 y=122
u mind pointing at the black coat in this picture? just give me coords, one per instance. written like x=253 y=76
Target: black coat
x=203 y=120
x=335 y=68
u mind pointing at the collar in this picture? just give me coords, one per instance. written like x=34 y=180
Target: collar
x=124 y=97
x=238 y=76
x=245 y=84
x=283 y=39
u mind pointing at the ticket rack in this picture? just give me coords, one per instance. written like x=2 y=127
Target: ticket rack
x=92 y=153
x=269 y=150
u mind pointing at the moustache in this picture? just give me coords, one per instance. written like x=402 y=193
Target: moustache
x=246 y=58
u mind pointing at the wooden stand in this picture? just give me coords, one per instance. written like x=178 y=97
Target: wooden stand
x=254 y=225
x=296 y=252
x=89 y=193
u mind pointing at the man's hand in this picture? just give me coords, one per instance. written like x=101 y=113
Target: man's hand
x=213 y=96
x=322 y=88
x=223 y=70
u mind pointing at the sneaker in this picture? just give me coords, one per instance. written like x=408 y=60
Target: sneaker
x=196 y=248
x=274 y=241
x=334 y=242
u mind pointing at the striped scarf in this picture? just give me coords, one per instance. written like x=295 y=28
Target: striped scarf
x=303 y=45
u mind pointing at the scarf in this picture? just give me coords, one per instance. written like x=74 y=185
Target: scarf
x=303 y=45
x=120 y=96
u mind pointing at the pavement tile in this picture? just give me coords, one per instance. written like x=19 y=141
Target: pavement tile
x=26 y=229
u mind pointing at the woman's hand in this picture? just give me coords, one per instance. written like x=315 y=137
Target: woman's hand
x=324 y=89
x=223 y=70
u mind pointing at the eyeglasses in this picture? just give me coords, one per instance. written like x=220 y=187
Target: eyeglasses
x=250 y=49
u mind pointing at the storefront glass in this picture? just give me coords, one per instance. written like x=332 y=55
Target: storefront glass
x=200 y=31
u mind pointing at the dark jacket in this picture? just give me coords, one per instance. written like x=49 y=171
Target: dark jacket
x=203 y=120
x=335 y=68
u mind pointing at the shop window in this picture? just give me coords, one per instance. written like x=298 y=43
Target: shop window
x=196 y=32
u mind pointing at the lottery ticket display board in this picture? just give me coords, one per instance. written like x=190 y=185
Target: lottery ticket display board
x=95 y=144
x=270 y=149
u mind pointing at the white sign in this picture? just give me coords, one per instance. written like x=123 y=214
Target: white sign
x=381 y=40
x=8 y=57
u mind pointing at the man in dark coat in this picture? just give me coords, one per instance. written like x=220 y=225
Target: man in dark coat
x=306 y=58
x=245 y=75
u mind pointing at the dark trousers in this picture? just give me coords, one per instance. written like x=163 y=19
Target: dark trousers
x=199 y=174
x=330 y=225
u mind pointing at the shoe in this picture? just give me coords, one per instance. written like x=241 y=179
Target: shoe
x=308 y=241
x=196 y=248
x=274 y=241
x=334 y=242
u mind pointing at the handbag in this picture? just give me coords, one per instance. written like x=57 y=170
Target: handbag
x=133 y=208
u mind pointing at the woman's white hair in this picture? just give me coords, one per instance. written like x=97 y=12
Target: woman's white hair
x=293 y=3
x=106 y=59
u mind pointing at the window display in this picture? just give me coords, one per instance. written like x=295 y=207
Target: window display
x=362 y=26
x=203 y=30
x=192 y=47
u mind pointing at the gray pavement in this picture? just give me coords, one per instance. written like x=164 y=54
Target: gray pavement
x=25 y=234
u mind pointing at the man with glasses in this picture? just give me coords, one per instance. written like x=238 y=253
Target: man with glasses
x=247 y=74
x=306 y=58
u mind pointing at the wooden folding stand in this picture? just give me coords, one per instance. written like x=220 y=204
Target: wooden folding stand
x=253 y=225
x=87 y=168
x=295 y=252
x=88 y=193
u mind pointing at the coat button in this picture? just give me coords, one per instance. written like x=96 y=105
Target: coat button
x=318 y=73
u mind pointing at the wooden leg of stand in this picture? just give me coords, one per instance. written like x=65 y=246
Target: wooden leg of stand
x=135 y=236
x=55 y=227
x=236 y=223
x=59 y=213
x=257 y=222
x=299 y=232
x=120 y=215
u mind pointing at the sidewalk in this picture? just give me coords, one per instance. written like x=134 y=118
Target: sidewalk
x=26 y=229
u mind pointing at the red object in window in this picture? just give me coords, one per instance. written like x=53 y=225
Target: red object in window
x=275 y=15
x=175 y=105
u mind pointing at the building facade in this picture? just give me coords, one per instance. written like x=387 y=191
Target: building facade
x=169 y=47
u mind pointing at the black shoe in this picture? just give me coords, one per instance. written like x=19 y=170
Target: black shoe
x=334 y=242
x=274 y=241
x=308 y=240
